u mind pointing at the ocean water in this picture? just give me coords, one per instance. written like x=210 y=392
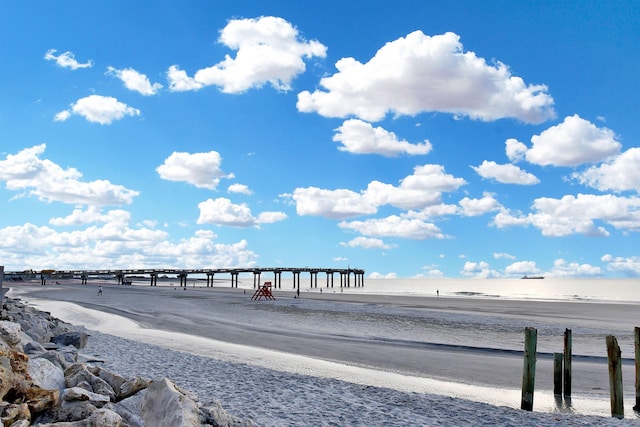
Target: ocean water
x=603 y=290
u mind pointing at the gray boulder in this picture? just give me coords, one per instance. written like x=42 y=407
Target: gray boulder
x=164 y=404
x=76 y=339
x=46 y=374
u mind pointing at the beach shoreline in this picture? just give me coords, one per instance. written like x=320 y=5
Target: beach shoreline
x=217 y=314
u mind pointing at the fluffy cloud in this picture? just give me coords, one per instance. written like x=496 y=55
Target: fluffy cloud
x=66 y=60
x=521 y=268
x=335 y=204
x=505 y=174
x=222 y=212
x=360 y=137
x=199 y=169
x=117 y=244
x=92 y=214
x=417 y=191
x=269 y=50
x=366 y=243
x=573 y=142
x=477 y=207
x=419 y=73
x=133 y=80
x=98 y=109
x=26 y=171
x=478 y=270
x=562 y=268
x=630 y=267
x=577 y=215
x=240 y=189
x=396 y=226
x=621 y=173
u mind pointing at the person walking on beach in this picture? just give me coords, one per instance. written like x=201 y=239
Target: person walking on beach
x=100 y=290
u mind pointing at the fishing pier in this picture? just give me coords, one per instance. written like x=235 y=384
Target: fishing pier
x=348 y=276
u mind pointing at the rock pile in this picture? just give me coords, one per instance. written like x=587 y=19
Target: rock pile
x=46 y=381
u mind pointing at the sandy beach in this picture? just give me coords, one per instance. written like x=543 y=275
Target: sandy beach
x=331 y=358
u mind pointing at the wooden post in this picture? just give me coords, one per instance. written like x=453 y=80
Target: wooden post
x=637 y=352
x=615 y=377
x=567 y=362
x=557 y=373
x=529 y=369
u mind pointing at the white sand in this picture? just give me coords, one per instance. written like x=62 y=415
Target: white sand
x=337 y=386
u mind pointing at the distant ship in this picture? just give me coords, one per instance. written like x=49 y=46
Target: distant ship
x=532 y=277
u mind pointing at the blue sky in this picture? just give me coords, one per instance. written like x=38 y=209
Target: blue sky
x=410 y=139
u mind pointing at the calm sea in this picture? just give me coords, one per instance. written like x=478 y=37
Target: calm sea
x=611 y=290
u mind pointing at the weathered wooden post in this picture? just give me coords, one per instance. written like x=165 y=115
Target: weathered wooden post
x=567 y=361
x=615 y=377
x=529 y=369
x=637 y=353
x=557 y=373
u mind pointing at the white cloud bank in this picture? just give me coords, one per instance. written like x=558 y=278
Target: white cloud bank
x=269 y=50
x=112 y=240
x=66 y=60
x=419 y=73
x=417 y=191
x=27 y=172
x=579 y=214
x=98 y=109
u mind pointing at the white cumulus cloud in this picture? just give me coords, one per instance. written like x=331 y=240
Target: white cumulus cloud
x=27 y=172
x=621 y=173
x=98 y=109
x=269 y=50
x=360 y=137
x=222 y=211
x=136 y=81
x=202 y=170
x=573 y=142
x=66 y=60
x=505 y=174
x=395 y=226
x=366 y=243
x=577 y=215
x=419 y=73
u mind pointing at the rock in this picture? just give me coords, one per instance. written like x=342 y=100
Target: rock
x=12 y=413
x=164 y=404
x=69 y=353
x=77 y=393
x=66 y=413
x=104 y=417
x=129 y=409
x=55 y=358
x=76 y=339
x=6 y=373
x=39 y=399
x=79 y=372
x=46 y=374
x=217 y=416
x=114 y=381
x=132 y=386
x=21 y=423
x=10 y=332
x=33 y=347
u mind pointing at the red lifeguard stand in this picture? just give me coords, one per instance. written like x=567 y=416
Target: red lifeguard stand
x=264 y=291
